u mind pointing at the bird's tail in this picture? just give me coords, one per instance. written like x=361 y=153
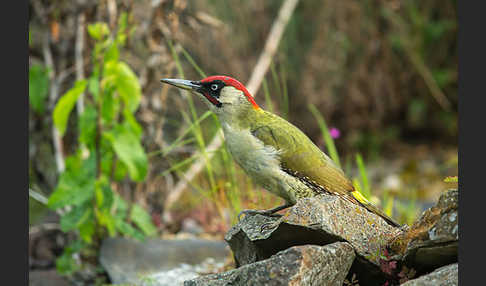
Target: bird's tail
x=370 y=207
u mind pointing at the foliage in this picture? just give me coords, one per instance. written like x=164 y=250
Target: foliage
x=38 y=87
x=109 y=149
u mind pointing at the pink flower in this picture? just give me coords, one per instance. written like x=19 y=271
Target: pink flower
x=335 y=133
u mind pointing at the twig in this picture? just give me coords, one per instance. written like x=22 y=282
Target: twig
x=417 y=62
x=207 y=19
x=33 y=230
x=253 y=85
x=428 y=78
x=78 y=53
x=112 y=11
x=38 y=196
x=43 y=200
x=53 y=94
x=271 y=45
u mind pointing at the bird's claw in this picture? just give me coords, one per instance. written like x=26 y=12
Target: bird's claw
x=268 y=226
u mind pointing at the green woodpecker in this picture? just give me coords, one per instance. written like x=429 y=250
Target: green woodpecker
x=272 y=151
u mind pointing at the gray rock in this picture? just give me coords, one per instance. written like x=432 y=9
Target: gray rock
x=320 y=220
x=46 y=278
x=444 y=276
x=160 y=262
x=432 y=241
x=298 y=265
x=190 y=225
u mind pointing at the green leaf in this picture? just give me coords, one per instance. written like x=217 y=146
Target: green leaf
x=131 y=123
x=129 y=230
x=126 y=83
x=66 y=264
x=76 y=183
x=129 y=150
x=122 y=28
x=98 y=30
x=94 y=85
x=121 y=207
x=112 y=53
x=107 y=165
x=104 y=193
x=99 y=195
x=87 y=229
x=120 y=171
x=87 y=126
x=75 y=217
x=110 y=106
x=65 y=105
x=143 y=220
x=38 y=87
x=70 y=191
x=106 y=219
x=81 y=217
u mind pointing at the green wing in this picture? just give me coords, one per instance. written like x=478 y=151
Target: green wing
x=303 y=158
x=299 y=154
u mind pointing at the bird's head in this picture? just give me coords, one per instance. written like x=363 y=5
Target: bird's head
x=223 y=94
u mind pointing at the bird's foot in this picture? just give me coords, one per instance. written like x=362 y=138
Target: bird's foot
x=270 y=212
x=270 y=225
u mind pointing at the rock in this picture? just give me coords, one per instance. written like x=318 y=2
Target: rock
x=46 y=278
x=432 y=241
x=298 y=265
x=191 y=226
x=444 y=276
x=320 y=220
x=160 y=262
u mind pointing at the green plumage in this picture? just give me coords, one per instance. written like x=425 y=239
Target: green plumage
x=298 y=153
x=300 y=157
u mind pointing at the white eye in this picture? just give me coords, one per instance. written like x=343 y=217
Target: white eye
x=214 y=87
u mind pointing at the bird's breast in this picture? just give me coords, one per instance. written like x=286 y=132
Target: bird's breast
x=249 y=152
x=262 y=163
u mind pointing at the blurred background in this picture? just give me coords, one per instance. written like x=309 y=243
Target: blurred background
x=372 y=82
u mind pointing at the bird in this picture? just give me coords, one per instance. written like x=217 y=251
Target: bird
x=276 y=154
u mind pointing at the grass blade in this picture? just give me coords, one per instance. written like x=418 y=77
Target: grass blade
x=331 y=148
x=366 y=192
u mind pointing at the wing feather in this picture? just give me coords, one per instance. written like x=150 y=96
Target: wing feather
x=299 y=154
x=300 y=157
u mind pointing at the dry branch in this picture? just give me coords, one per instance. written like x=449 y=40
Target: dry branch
x=53 y=94
x=79 y=47
x=253 y=85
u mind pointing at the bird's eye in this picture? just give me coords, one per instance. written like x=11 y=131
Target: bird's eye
x=214 y=87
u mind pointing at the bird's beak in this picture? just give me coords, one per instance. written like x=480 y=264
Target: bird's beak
x=182 y=83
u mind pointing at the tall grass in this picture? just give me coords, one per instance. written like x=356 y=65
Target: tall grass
x=194 y=121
